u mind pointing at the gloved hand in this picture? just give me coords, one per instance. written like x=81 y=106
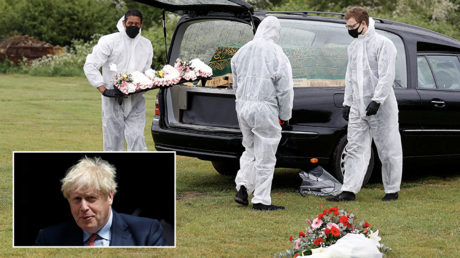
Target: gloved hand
x=285 y=125
x=113 y=93
x=346 y=112
x=372 y=108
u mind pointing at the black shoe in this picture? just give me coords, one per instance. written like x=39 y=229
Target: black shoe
x=390 y=197
x=344 y=196
x=242 y=196
x=263 y=207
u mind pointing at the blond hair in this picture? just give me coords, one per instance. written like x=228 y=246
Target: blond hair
x=90 y=173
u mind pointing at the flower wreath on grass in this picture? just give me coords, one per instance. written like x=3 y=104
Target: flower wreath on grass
x=326 y=229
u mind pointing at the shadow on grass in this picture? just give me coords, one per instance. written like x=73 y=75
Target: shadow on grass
x=414 y=177
x=199 y=176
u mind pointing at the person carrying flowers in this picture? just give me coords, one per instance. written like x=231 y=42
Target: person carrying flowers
x=125 y=52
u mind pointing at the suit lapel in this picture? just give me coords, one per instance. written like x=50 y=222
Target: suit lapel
x=120 y=234
x=74 y=235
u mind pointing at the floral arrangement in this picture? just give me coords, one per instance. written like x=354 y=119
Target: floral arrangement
x=122 y=82
x=168 y=76
x=191 y=70
x=326 y=229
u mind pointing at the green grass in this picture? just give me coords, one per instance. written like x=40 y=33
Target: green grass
x=63 y=114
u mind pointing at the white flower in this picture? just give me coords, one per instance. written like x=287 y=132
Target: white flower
x=375 y=236
x=131 y=87
x=140 y=78
x=150 y=73
x=318 y=250
x=201 y=67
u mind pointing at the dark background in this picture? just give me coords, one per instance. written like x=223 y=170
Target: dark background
x=146 y=188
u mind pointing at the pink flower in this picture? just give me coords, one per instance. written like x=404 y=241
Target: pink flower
x=297 y=244
x=316 y=223
x=309 y=221
x=178 y=60
x=124 y=84
x=330 y=225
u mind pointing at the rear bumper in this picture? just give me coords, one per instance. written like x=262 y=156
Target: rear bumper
x=295 y=150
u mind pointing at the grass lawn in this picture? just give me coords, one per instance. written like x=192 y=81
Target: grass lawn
x=63 y=114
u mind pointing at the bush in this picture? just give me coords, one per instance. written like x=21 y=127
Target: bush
x=7 y=66
x=156 y=35
x=68 y=64
x=59 y=21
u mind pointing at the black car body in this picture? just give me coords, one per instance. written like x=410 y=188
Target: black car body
x=201 y=121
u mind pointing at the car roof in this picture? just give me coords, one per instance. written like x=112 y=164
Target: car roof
x=409 y=33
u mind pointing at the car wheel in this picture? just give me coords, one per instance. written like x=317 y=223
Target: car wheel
x=338 y=162
x=226 y=168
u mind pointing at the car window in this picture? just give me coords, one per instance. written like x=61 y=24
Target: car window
x=446 y=71
x=215 y=43
x=424 y=75
x=318 y=53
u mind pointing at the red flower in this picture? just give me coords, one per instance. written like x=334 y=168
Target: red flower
x=325 y=211
x=296 y=255
x=318 y=241
x=365 y=225
x=320 y=205
x=336 y=213
x=290 y=238
x=344 y=221
x=301 y=234
x=365 y=231
x=333 y=209
x=320 y=216
x=335 y=231
x=327 y=231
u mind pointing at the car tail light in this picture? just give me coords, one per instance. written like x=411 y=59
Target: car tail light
x=157 y=106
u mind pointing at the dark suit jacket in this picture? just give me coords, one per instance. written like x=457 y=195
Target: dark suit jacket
x=127 y=230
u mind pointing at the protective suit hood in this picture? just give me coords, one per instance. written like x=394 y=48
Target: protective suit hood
x=269 y=28
x=370 y=29
x=122 y=29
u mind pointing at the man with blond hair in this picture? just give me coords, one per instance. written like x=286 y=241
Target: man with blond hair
x=90 y=186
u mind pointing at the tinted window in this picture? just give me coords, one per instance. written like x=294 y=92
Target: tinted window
x=424 y=75
x=214 y=43
x=446 y=71
x=318 y=52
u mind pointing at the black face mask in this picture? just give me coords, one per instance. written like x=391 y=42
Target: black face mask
x=354 y=33
x=132 y=31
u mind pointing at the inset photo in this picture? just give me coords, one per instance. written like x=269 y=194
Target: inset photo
x=94 y=199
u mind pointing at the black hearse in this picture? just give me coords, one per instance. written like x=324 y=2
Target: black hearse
x=200 y=120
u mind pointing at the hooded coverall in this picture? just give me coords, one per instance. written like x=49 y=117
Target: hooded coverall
x=125 y=121
x=370 y=76
x=262 y=81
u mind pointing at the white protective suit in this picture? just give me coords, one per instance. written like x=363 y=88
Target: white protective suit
x=262 y=81
x=370 y=76
x=128 y=119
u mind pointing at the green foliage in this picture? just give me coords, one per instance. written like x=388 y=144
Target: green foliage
x=151 y=16
x=156 y=36
x=60 y=21
x=7 y=66
x=68 y=64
